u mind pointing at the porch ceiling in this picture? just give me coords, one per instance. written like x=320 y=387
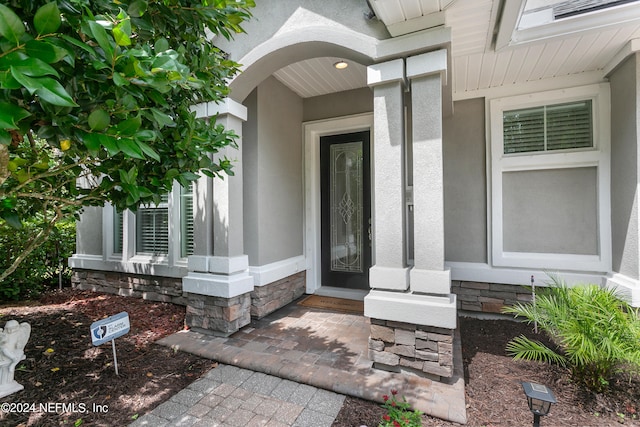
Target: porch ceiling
x=476 y=63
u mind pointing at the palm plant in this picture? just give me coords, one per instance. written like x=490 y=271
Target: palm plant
x=595 y=331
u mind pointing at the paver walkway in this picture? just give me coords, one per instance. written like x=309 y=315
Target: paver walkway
x=304 y=347
x=231 y=396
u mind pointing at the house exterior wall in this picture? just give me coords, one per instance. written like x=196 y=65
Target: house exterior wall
x=465 y=183
x=312 y=15
x=338 y=104
x=273 y=179
x=624 y=167
x=89 y=232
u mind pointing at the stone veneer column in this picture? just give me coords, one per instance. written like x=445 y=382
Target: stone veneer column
x=218 y=284
x=412 y=329
x=388 y=191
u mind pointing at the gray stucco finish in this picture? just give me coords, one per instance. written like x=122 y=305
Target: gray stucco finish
x=273 y=178
x=624 y=167
x=465 y=183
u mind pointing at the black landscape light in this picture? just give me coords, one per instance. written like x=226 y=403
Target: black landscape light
x=539 y=398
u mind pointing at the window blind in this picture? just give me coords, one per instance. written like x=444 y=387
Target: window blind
x=186 y=221
x=152 y=223
x=118 y=231
x=546 y=128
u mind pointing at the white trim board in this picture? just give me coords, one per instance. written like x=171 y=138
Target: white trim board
x=312 y=132
x=269 y=273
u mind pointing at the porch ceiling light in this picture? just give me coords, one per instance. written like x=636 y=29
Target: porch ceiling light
x=539 y=398
x=341 y=65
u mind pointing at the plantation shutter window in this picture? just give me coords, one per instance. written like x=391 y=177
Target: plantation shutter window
x=152 y=223
x=548 y=128
x=186 y=221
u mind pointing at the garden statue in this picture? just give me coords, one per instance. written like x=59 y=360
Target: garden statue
x=13 y=339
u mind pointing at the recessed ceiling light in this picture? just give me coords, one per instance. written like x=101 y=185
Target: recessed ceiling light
x=341 y=65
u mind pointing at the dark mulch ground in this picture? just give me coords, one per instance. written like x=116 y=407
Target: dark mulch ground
x=494 y=394
x=62 y=366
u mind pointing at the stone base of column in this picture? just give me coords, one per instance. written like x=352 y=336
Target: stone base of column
x=218 y=315
x=414 y=349
x=412 y=333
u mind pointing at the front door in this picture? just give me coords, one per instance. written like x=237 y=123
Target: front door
x=345 y=194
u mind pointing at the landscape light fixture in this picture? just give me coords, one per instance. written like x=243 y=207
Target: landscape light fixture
x=539 y=398
x=341 y=65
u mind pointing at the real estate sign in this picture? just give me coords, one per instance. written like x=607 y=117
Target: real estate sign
x=110 y=328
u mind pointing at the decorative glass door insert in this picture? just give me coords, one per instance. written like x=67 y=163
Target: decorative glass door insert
x=346 y=176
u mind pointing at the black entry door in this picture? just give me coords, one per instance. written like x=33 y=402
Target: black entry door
x=346 y=210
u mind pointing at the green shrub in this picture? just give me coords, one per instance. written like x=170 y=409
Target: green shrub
x=596 y=332
x=40 y=269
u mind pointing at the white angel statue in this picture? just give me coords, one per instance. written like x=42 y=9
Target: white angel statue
x=13 y=339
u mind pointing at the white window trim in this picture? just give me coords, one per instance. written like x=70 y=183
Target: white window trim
x=598 y=156
x=129 y=255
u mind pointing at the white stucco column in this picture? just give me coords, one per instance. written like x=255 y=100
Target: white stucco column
x=427 y=74
x=388 y=193
x=219 y=267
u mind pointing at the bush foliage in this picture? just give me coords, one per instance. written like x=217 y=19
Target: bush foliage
x=596 y=332
x=40 y=269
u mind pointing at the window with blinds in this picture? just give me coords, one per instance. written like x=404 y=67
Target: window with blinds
x=548 y=128
x=152 y=223
x=117 y=231
x=186 y=221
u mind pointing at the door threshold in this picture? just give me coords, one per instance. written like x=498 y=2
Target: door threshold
x=331 y=291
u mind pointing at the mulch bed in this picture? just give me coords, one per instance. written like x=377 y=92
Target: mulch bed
x=63 y=367
x=494 y=393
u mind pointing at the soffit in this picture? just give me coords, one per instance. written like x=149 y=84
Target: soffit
x=477 y=66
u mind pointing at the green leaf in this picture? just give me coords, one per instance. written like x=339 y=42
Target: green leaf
x=48 y=89
x=110 y=143
x=45 y=51
x=92 y=142
x=79 y=44
x=5 y=137
x=99 y=120
x=122 y=33
x=119 y=80
x=130 y=148
x=162 y=118
x=10 y=115
x=11 y=26
x=129 y=127
x=137 y=8
x=35 y=67
x=47 y=19
x=150 y=152
x=161 y=45
x=104 y=41
x=12 y=219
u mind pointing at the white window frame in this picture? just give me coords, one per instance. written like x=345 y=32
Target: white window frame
x=129 y=255
x=598 y=156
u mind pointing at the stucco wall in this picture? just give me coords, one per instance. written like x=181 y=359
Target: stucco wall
x=89 y=232
x=273 y=180
x=465 y=183
x=339 y=104
x=624 y=167
x=279 y=16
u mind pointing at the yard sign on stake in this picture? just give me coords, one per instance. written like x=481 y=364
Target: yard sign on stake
x=108 y=330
